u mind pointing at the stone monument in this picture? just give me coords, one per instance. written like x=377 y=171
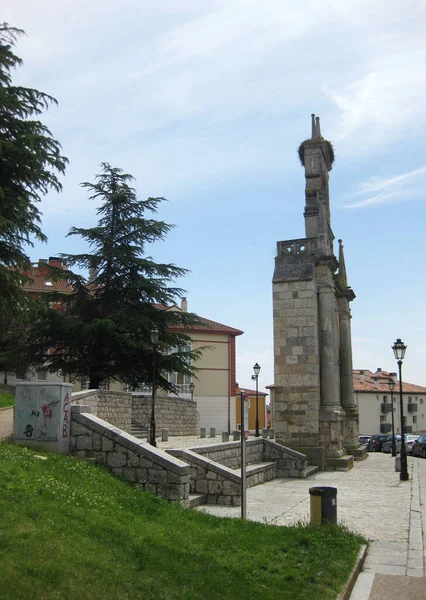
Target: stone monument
x=313 y=406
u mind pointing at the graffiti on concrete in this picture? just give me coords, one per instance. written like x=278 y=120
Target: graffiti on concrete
x=29 y=430
x=42 y=412
x=65 y=418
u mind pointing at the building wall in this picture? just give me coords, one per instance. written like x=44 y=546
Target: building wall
x=214 y=412
x=371 y=416
x=252 y=411
x=32 y=375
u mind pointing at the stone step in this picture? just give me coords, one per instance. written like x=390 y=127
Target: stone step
x=196 y=500
x=258 y=473
x=255 y=468
x=311 y=470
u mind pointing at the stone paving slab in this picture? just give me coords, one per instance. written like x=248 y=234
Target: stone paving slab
x=362 y=504
x=392 y=587
x=6 y=422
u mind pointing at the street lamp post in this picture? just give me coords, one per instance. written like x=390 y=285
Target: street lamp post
x=154 y=339
x=399 y=349
x=391 y=383
x=256 y=370
x=191 y=387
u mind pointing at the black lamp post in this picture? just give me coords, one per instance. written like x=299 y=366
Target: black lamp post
x=191 y=388
x=399 y=349
x=154 y=339
x=256 y=370
x=391 y=384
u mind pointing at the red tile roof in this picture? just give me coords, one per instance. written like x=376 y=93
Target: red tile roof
x=366 y=381
x=250 y=392
x=377 y=383
x=206 y=325
x=43 y=281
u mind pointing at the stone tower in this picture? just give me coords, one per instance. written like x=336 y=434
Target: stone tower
x=313 y=406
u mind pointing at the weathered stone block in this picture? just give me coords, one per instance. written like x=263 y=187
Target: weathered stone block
x=231 y=489
x=107 y=444
x=201 y=486
x=116 y=459
x=84 y=442
x=129 y=474
x=157 y=475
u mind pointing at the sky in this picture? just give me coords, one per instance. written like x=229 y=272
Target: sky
x=205 y=102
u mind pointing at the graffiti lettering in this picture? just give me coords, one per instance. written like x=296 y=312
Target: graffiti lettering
x=65 y=420
x=29 y=430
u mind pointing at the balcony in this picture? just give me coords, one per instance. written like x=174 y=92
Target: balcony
x=408 y=429
x=385 y=427
x=385 y=408
x=412 y=407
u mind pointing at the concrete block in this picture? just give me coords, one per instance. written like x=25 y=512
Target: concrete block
x=212 y=432
x=225 y=436
x=164 y=435
x=203 y=432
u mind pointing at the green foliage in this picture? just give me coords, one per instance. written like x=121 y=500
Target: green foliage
x=301 y=150
x=6 y=399
x=29 y=160
x=70 y=530
x=104 y=328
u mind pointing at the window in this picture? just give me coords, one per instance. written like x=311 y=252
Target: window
x=41 y=375
x=414 y=419
x=421 y=400
x=180 y=380
x=382 y=419
x=410 y=399
x=385 y=399
x=21 y=375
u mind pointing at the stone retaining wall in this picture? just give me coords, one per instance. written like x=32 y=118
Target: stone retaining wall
x=113 y=407
x=178 y=415
x=128 y=458
x=229 y=454
x=213 y=468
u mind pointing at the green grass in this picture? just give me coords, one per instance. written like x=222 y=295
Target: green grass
x=6 y=400
x=70 y=530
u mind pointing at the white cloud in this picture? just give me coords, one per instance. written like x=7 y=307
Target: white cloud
x=400 y=188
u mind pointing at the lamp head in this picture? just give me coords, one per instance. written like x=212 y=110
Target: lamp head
x=155 y=334
x=399 y=349
x=256 y=369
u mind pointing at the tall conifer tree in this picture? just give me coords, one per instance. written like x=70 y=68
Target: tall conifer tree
x=30 y=158
x=103 y=331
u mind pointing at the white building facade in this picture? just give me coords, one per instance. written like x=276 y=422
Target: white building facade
x=376 y=403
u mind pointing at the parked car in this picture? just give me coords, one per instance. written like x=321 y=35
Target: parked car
x=409 y=442
x=364 y=440
x=387 y=446
x=419 y=446
x=377 y=441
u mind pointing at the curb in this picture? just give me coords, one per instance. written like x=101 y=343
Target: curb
x=7 y=408
x=346 y=592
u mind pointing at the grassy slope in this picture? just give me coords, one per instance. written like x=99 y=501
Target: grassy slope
x=6 y=399
x=69 y=530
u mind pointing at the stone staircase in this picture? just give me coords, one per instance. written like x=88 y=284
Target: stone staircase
x=138 y=430
x=216 y=472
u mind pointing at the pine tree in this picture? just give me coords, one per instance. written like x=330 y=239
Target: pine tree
x=103 y=331
x=29 y=160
